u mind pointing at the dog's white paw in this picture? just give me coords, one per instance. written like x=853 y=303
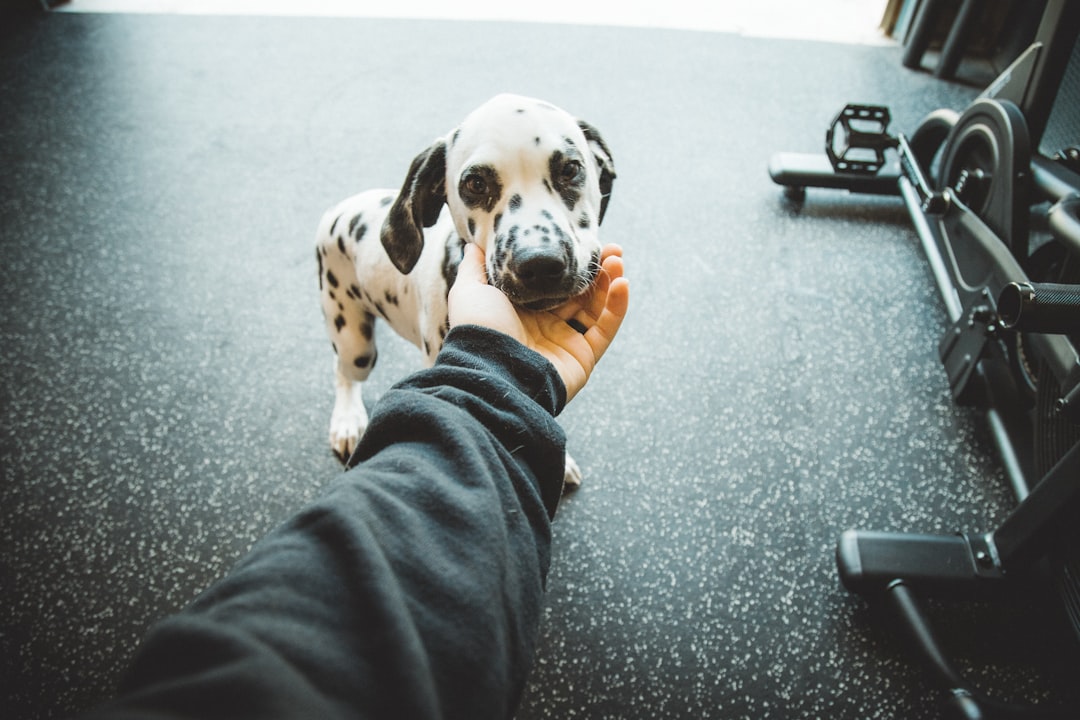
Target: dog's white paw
x=348 y=421
x=344 y=437
x=572 y=476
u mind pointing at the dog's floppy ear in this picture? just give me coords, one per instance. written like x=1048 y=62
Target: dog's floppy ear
x=417 y=206
x=604 y=163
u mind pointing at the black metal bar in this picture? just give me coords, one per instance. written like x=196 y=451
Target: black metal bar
x=933 y=202
x=930 y=237
x=917 y=628
x=1057 y=33
x=801 y=170
x=1064 y=221
x=962 y=348
x=921 y=31
x=1052 y=180
x=963 y=700
x=953 y=49
x=1028 y=532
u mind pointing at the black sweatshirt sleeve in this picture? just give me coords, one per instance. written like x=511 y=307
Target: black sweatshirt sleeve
x=411 y=589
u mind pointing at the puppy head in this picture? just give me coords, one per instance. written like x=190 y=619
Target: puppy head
x=526 y=182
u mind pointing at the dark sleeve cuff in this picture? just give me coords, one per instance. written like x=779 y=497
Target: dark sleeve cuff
x=478 y=348
x=512 y=391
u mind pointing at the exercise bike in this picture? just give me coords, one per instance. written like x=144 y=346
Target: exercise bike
x=998 y=218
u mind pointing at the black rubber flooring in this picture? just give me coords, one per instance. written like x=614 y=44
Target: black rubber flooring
x=166 y=383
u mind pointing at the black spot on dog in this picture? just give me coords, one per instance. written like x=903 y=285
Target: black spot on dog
x=318 y=258
x=386 y=201
x=536 y=140
x=339 y=322
x=454 y=137
x=504 y=249
x=340 y=307
x=520 y=111
x=584 y=222
x=568 y=175
x=472 y=227
x=515 y=203
x=354 y=222
x=341 y=244
x=391 y=298
x=331 y=279
x=568 y=252
x=334 y=224
x=497 y=220
x=332 y=295
x=355 y=291
x=360 y=231
x=455 y=246
x=379 y=309
x=547 y=186
x=562 y=237
x=367 y=330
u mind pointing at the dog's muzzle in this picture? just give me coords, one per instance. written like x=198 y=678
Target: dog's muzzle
x=541 y=278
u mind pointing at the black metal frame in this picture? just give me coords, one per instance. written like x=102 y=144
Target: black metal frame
x=977 y=257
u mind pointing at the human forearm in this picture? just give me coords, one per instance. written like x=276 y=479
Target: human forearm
x=411 y=588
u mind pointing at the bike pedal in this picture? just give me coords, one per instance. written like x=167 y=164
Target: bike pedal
x=857 y=139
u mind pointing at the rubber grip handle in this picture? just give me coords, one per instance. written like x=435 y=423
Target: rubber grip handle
x=1040 y=308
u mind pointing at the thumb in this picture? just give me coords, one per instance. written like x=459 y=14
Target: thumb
x=471 y=268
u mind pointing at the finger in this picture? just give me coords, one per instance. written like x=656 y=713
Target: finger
x=610 y=319
x=619 y=297
x=614 y=266
x=592 y=304
x=471 y=268
x=609 y=250
x=582 y=311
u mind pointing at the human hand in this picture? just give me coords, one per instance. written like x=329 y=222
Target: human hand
x=574 y=349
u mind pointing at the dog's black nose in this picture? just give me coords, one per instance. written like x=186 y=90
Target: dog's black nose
x=539 y=267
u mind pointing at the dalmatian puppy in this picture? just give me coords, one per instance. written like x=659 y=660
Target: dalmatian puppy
x=521 y=178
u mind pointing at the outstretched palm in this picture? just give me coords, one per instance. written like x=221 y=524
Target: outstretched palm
x=572 y=336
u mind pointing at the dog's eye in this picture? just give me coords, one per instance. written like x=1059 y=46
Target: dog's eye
x=475 y=184
x=479 y=187
x=570 y=171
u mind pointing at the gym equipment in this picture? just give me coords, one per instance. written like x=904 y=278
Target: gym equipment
x=998 y=216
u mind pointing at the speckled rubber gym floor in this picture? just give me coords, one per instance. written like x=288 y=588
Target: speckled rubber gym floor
x=166 y=382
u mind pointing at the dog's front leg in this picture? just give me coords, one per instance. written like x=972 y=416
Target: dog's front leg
x=349 y=419
x=351 y=329
x=356 y=355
